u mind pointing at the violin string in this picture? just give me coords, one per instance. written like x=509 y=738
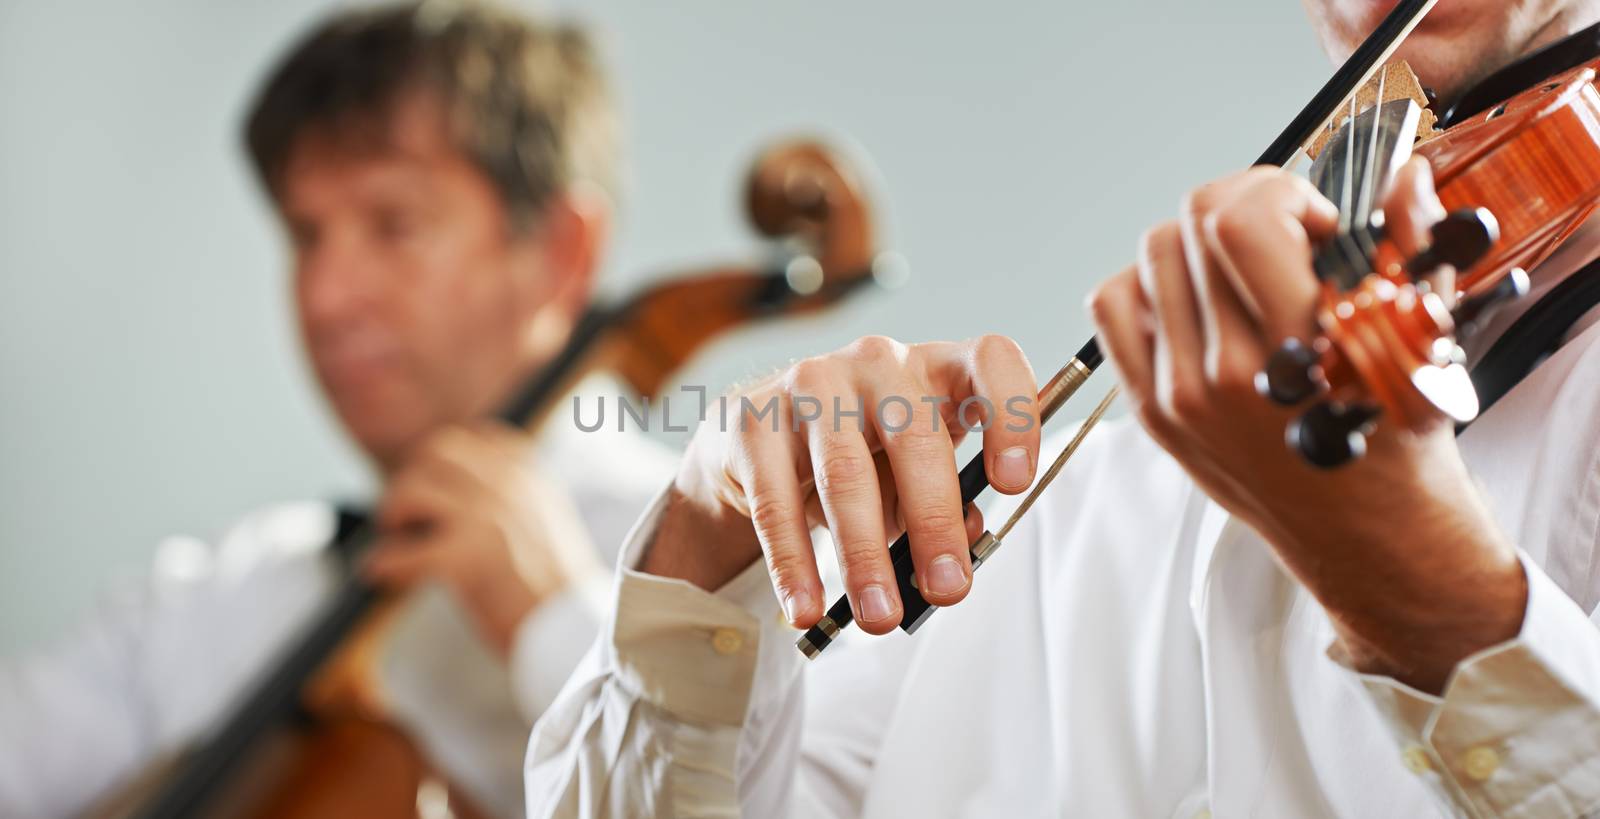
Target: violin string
x=1369 y=169
x=1346 y=194
x=1323 y=109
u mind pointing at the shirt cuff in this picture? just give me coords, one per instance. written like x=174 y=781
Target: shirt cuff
x=551 y=640
x=1517 y=732
x=696 y=654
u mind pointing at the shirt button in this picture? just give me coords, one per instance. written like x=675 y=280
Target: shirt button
x=727 y=641
x=1416 y=759
x=1481 y=762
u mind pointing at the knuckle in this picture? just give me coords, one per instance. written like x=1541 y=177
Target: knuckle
x=875 y=350
x=845 y=472
x=1233 y=372
x=771 y=512
x=754 y=409
x=926 y=354
x=1200 y=202
x=1099 y=301
x=1184 y=398
x=1271 y=173
x=1110 y=298
x=860 y=560
x=994 y=348
x=915 y=435
x=808 y=375
x=1155 y=240
x=787 y=568
x=1297 y=183
x=1226 y=227
x=935 y=521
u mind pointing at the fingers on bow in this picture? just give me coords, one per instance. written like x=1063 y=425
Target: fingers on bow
x=869 y=425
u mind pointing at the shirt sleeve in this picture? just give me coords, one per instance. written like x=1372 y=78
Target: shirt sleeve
x=54 y=702
x=1517 y=731
x=157 y=663
x=693 y=704
x=551 y=641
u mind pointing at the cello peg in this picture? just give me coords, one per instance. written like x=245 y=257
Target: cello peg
x=1331 y=434
x=1459 y=240
x=1292 y=374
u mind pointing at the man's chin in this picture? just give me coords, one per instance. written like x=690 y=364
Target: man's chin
x=1449 y=65
x=382 y=426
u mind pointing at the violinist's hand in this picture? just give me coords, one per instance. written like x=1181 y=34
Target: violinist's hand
x=757 y=486
x=467 y=509
x=1397 y=546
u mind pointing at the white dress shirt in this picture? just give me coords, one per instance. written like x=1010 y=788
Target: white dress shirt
x=160 y=664
x=1131 y=651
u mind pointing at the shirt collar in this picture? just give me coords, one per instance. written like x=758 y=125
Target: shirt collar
x=1562 y=55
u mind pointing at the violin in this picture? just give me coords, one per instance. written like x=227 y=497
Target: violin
x=307 y=741
x=1517 y=180
x=1518 y=171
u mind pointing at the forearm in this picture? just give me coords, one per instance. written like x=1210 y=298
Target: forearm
x=1421 y=645
x=1414 y=612
x=1411 y=567
x=661 y=716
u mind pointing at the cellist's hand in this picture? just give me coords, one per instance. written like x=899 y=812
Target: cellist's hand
x=862 y=439
x=467 y=509
x=1397 y=546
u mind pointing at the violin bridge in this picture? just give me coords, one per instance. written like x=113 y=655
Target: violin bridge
x=1398 y=82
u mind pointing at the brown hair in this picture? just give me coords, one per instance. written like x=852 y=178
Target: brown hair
x=526 y=101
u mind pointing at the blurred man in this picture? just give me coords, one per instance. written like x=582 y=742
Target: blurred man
x=442 y=172
x=1195 y=622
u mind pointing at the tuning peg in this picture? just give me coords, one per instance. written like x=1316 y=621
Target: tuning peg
x=1459 y=240
x=1471 y=314
x=1292 y=374
x=1331 y=434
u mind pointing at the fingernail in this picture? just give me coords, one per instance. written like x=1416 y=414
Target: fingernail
x=874 y=603
x=796 y=605
x=945 y=576
x=1012 y=467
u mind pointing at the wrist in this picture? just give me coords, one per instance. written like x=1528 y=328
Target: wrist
x=1427 y=592
x=700 y=540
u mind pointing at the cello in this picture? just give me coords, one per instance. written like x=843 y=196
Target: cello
x=310 y=740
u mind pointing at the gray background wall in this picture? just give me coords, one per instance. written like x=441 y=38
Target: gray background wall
x=149 y=380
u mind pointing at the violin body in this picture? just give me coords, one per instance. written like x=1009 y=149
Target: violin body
x=1533 y=161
